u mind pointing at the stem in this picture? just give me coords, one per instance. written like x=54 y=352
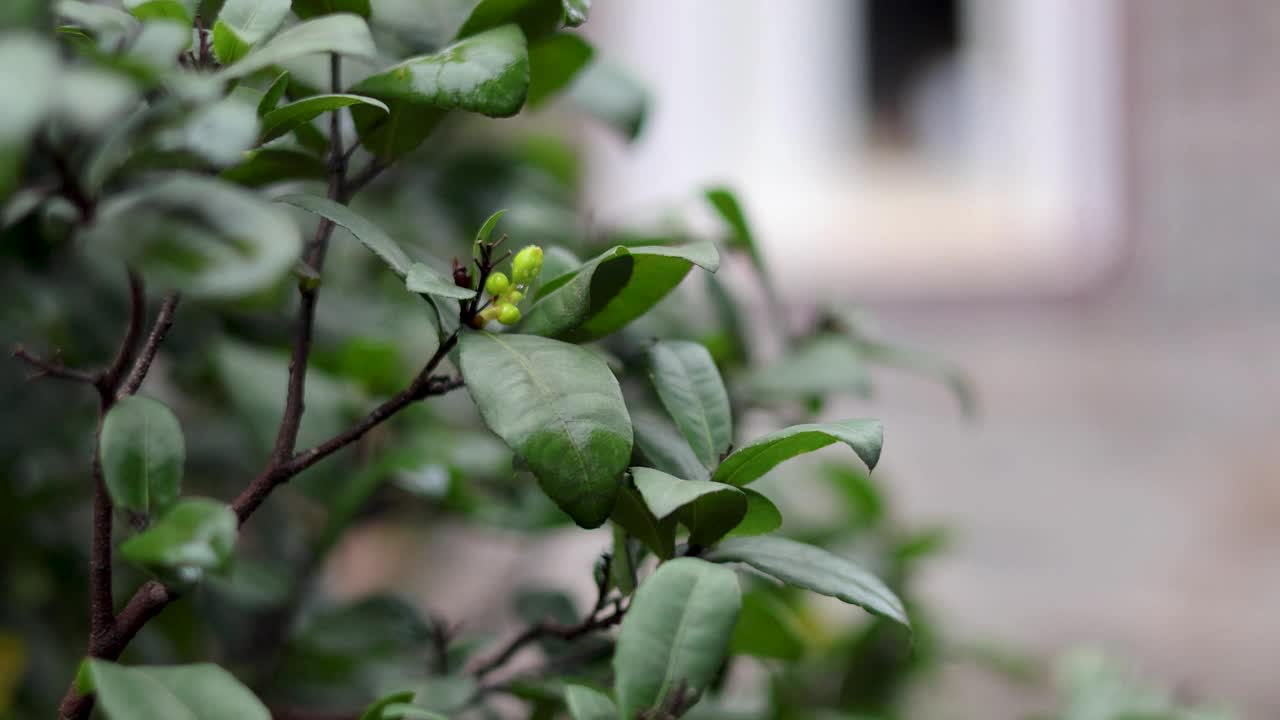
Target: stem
x=164 y=322
x=545 y=629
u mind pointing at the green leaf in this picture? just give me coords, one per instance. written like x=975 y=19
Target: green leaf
x=623 y=567
x=142 y=452
x=553 y=63
x=265 y=166
x=183 y=11
x=378 y=710
x=307 y=9
x=186 y=692
x=219 y=133
x=812 y=568
x=242 y=24
x=97 y=19
x=611 y=290
x=632 y=515
x=588 y=704
x=767 y=629
x=341 y=34
x=576 y=12
x=663 y=448
x=612 y=95
x=29 y=80
x=285 y=119
x=200 y=235
x=690 y=388
x=536 y=18
x=675 y=634
x=196 y=536
x=726 y=204
x=422 y=279
x=486 y=229
x=275 y=92
x=365 y=231
x=154 y=52
x=748 y=464
x=708 y=509
x=762 y=516
x=559 y=408
x=487 y=74
x=824 y=365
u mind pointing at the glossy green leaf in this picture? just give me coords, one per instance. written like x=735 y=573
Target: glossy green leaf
x=183 y=11
x=536 y=18
x=405 y=711
x=242 y=24
x=612 y=95
x=767 y=629
x=588 y=704
x=762 y=516
x=812 y=568
x=576 y=12
x=690 y=388
x=285 y=119
x=142 y=452
x=365 y=231
x=307 y=9
x=750 y=463
x=553 y=63
x=632 y=515
x=274 y=94
x=611 y=290
x=29 y=71
x=740 y=237
x=156 y=48
x=663 y=447
x=423 y=279
x=265 y=166
x=559 y=407
x=343 y=34
x=675 y=634
x=708 y=509
x=824 y=365
x=487 y=73
x=174 y=692
x=195 y=536
x=200 y=235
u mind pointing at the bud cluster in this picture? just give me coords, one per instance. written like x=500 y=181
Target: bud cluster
x=507 y=292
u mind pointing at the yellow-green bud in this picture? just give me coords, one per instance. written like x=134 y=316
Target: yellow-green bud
x=527 y=265
x=508 y=314
x=497 y=284
x=515 y=296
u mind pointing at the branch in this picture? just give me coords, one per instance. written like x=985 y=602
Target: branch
x=47 y=368
x=110 y=380
x=424 y=385
x=309 y=294
x=547 y=629
x=164 y=322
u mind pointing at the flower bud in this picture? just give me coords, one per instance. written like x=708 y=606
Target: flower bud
x=527 y=265
x=497 y=284
x=508 y=314
x=515 y=296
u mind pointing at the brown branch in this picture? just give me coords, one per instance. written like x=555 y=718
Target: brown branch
x=164 y=322
x=110 y=380
x=548 y=629
x=282 y=712
x=309 y=293
x=424 y=385
x=48 y=368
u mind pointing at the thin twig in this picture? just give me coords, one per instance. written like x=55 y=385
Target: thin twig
x=164 y=322
x=546 y=629
x=110 y=380
x=47 y=368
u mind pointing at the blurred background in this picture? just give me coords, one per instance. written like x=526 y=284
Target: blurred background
x=1070 y=201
